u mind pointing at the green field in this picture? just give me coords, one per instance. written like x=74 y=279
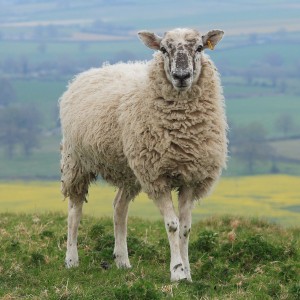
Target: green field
x=235 y=57
x=64 y=52
x=264 y=110
x=288 y=148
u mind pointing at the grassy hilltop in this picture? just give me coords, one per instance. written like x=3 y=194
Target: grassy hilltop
x=231 y=258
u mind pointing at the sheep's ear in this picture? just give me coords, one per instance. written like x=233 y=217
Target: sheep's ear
x=212 y=38
x=150 y=39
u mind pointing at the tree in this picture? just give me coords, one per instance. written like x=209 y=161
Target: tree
x=7 y=92
x=249 y=144
x=8 y=130
x=19 y=125
x=30 y=121
x=274 y=59
x=284 y=123
x=249 y=75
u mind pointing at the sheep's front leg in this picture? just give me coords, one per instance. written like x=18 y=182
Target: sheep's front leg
x=74 y=216
x=121 y=204
x=185 y=205
x=167 y=210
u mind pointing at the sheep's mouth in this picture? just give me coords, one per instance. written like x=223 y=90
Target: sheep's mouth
x=181 y=87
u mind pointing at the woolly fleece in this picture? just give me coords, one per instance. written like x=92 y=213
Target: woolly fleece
x=128 y=124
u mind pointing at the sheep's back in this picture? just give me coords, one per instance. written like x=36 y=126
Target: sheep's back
x=89 y=120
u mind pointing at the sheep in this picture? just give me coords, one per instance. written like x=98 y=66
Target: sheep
x=152 y=126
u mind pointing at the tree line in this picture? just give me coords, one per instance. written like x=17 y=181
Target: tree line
x=20 y=125
x=250 y=145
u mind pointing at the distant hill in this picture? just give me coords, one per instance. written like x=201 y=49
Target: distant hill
x=122 y=18
x=44 y=43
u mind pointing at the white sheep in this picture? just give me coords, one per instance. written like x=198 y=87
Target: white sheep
x=154 y=126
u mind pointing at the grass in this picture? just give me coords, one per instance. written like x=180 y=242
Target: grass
x=231 y=258
x=268 y=197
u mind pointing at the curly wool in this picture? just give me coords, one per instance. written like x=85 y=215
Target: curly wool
x=127 y=123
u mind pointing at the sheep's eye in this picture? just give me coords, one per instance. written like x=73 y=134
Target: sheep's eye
x=199 y=49
x=163 y=50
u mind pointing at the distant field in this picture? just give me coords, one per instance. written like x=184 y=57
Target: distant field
x=264 y=110
x=272 y=197
x=259 y=102
x=238 y=18
x=233 y=55
x=288 y=148
x=62 y=52
x=256 y=104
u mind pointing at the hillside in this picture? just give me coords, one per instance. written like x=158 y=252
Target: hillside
x=43 y=44
x=258 y=261
x=247 y=17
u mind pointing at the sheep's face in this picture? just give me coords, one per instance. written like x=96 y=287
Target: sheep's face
x=182 y=50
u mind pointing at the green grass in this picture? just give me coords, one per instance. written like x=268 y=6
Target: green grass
x=231 y=258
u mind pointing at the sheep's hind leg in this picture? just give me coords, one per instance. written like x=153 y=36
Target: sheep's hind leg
x=167 y=210
x=185 y=205
x=121 y=204
x=74 y=216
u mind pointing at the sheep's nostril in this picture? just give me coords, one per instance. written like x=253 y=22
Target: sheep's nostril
x=181 y=76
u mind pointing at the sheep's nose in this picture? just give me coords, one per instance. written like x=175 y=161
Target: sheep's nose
x=181 y=76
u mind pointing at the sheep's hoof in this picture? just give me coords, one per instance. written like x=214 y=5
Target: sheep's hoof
x=71 y=263
x=122 y=262
x=123 y=265
x=188 y=274
x=177 y=273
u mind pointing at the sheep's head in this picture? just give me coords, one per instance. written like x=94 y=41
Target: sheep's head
x=182 y=50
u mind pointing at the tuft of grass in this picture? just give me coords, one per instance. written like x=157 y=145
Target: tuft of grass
x=37 y=259
x=231 y=258
x=141 y=289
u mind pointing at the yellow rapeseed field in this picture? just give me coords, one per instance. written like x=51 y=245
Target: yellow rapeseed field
x=272 y=197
